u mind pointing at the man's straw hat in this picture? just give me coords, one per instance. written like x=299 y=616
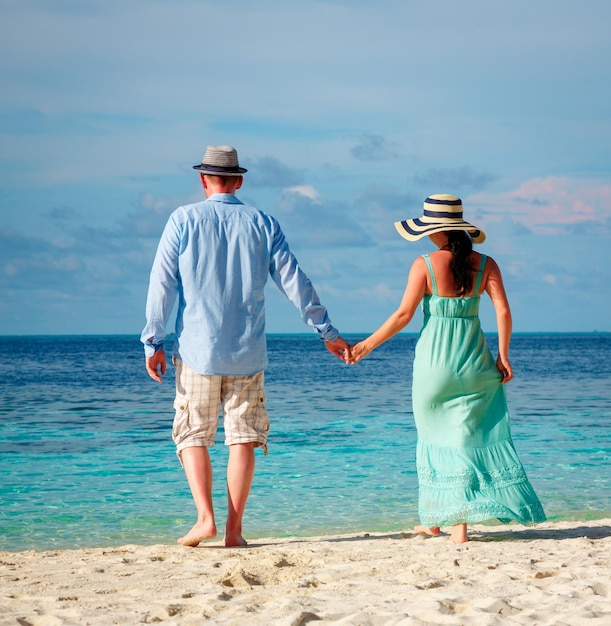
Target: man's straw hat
x=220 y=161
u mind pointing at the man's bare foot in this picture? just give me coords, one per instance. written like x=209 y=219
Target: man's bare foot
x=235 y=541
x=422 y=530
x=459 y=534
x=201 y=531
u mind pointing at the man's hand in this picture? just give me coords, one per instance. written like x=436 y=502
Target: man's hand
x=340 y=348
x=155 y=365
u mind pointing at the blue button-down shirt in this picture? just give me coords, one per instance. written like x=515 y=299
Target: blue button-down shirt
x=215 y=257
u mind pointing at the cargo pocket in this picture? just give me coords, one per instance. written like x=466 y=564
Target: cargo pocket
x=182 y=424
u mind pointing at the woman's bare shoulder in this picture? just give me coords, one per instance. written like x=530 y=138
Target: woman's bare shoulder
x=491 y=264
x=477 y=259
x=419 y=272
x=419 y=261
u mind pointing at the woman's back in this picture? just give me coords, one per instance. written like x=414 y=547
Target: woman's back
x=441 y=262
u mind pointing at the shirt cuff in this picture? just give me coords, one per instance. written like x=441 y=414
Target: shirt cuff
x=329 y=334
x=150 y=348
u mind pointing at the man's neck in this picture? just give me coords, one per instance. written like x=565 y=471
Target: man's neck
x=218 y=184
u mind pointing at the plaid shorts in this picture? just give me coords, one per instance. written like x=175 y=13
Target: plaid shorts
x=198 y=403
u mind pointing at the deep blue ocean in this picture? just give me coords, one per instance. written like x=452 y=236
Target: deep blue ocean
x=86 y=457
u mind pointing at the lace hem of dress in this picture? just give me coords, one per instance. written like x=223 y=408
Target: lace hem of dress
x=482 y=511
x=471 y=478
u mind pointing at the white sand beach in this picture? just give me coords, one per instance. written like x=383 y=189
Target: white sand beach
x=552 y=574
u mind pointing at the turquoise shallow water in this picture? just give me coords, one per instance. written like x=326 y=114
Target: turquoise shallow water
x=86 y=456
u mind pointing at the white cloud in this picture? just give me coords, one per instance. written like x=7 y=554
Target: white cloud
x=151 y=202
x=307 y=191
x=549 y=278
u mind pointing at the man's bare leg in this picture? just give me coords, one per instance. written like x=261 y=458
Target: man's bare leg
x=240 y=473
x=459 y=533
x=196 y=463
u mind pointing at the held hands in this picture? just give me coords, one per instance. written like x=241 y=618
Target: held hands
x=347 y=353
x=504 y=367
x=340 y=348
x=155 y=365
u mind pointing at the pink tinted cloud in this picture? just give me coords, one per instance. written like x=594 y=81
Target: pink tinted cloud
x=546 y=205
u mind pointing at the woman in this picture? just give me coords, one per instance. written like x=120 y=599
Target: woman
x=468 y=470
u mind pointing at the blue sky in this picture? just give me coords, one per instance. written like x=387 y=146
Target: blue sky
x=348 y=114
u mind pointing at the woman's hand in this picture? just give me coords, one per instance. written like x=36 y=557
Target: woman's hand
x=360 y=351
x=504 y=367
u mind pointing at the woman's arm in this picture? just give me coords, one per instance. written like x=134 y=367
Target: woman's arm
x=496 y=290
x=415 y=289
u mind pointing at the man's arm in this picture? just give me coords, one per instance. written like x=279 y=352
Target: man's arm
x=162 y=292
x=297 y=287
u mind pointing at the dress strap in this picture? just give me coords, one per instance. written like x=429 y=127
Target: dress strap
x=433 y=282
x=480 y=273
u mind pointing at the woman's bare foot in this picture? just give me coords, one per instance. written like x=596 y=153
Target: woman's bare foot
x=433 y=532
x=459 y=534
x=201 y=531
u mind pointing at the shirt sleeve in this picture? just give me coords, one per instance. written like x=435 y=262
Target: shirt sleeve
x=291 y=280
x=163 y=288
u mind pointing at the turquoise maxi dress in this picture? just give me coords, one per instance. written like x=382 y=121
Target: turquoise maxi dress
x=468 y=469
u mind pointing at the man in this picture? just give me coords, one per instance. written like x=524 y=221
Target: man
x=215 y=257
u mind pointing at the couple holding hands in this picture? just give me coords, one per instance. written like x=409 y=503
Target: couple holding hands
x=215 y=257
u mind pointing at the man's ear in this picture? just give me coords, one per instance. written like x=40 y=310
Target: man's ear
x=239 y=182
x=203 y=180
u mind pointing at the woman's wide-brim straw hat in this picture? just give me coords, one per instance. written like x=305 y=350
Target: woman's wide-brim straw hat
x=220 y=161
x=442 y=212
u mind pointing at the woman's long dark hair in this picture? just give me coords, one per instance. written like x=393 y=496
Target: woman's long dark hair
x=461 y=246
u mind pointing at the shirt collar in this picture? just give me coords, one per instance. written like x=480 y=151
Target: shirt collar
x=225 y=197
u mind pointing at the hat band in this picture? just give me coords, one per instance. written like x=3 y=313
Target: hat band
x=218 y=168
x=443 y=214
x=456 y=202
